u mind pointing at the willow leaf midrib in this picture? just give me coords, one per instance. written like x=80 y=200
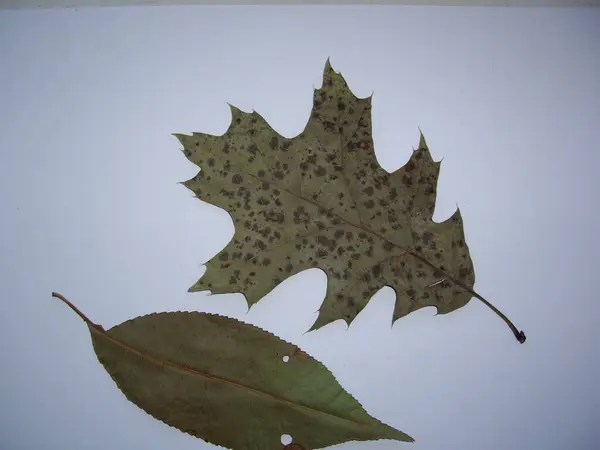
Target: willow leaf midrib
x=160 y=361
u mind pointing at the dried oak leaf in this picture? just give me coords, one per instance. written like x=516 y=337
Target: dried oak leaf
x=322 y=200
x=226 y=382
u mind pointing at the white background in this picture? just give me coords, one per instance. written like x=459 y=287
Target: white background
x=509 y=98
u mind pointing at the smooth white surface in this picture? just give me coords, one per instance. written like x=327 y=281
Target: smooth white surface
x=91 y=208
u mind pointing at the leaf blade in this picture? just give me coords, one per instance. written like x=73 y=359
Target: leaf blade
x=322 y=200
x=209 y=367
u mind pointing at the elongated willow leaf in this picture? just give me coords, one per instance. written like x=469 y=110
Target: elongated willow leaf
x=230 y=383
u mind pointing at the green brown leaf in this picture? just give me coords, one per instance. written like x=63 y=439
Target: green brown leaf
x=226 y=382
x=321 y=199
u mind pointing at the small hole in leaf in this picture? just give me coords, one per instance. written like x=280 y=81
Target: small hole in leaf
x=286 y=439
x=286 y=359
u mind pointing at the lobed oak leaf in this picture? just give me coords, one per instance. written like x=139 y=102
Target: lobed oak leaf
x=321 y=199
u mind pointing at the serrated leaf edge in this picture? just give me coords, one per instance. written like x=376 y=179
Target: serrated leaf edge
x=93 y=327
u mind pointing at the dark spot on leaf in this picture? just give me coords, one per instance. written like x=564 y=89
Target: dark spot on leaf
x=427 y=236
x=263 y=201
x=329 y=126
x=376 y=270
x=463 y=272
x=275 y=216
x=320 y=171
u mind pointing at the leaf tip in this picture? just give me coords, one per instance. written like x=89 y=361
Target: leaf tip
x=234 y=109
x=181 y=137
x=457 y=212
x=328 y=73
x=397 y=435
x=313 y=327
x=422 y=141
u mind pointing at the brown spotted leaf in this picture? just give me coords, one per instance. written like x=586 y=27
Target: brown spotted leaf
x=321 y=199
x=227 y=382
